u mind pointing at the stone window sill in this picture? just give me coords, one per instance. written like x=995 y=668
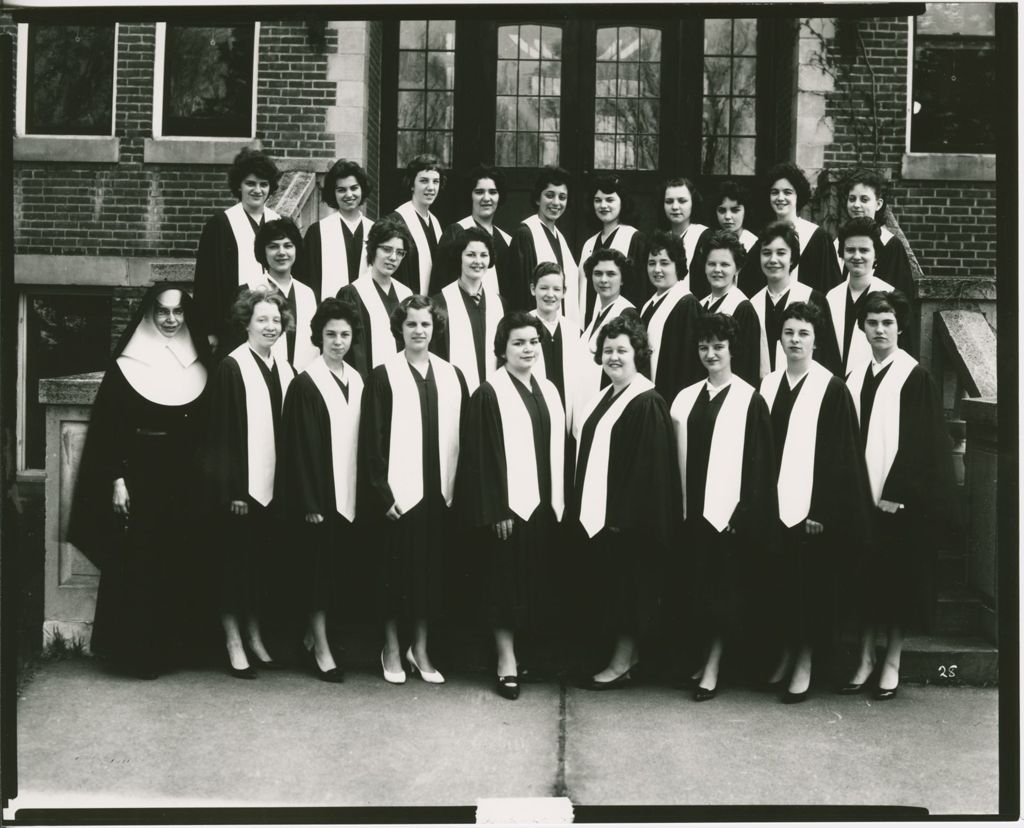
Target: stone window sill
x=91 y=149
x=218 y=151
x=924 y=166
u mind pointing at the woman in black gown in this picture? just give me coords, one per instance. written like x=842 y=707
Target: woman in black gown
x=625 y=498
x=510 y=486
x=134 y=504
x=410 y=445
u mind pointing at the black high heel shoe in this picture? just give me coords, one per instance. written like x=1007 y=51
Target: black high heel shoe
x=264 y=665
x=703 y=694
x=881 y=694
x=508 y=687
x=241 y=672
x=795 y=698
x=333 y=676
x=624 y=680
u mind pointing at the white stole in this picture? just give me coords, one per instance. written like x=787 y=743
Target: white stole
x=405 y=457
x=571 y=363
x=883 y=440
x=804 y=229
x=690 y=238
x=797 y=293
x=747 y=239
x=729 y=303
x=594 y=498
x=570 y=269
x=305 y=308
x=520 y=457
x=261 y=450
x=344 y=421
x=461 y=347
x=860 y=350
x=796 y=474
x=334 y=273
x=411 y=218
x=245 y=239
x=620 y=304
x=382 y=341
x=656 y=327
x=883 y=232
x=491 y=275
x=620 y=241
x=725 y=464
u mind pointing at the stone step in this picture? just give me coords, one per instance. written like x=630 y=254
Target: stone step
x=950 y=569
x=951 y=660
x=957 y=611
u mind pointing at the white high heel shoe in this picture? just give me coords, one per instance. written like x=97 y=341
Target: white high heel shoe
x=430 y=678
x=397 y=677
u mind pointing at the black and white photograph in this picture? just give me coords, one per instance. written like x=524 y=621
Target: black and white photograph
x=498 y=413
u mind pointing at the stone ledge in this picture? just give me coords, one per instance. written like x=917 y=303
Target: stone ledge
x=87 y=149
x=98 y=271
x=78 y=389
x=983 y=411
x=975 y=288
x=970 y=344
x=219 y=151
x=925 y=166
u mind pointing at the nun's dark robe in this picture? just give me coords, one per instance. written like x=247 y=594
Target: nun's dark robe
x=411 y=557
x=818 y=267
x=678 y=361
x=621 y=570
x=746 y=355
x=519 y=576
x=899 y=576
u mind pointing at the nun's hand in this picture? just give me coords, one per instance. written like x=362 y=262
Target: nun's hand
x=212 y=340
x=314 y=518
x=812 y=527
x=394 y=513
x=890 y=507
x=239 y=507
x=121 y=501
x=503 y=529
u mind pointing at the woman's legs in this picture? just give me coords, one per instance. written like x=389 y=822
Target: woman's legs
x=624 y=657
x=866 y=666
x=316 y=635
x=800 y=680
x=254 y=639
x=392 y=653
x=233 y=641
x=419 y=646
x=781 y=670
x=889 y=678
x=709 y=675
x=504 y=642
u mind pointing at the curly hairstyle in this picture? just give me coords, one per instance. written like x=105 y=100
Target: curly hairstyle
x=343 y=168
x=480 y=172
x=695 y=196
x=867 y=177
x=720 y=326
x=861 y=226
x=673 y=247
x=785 y=231
x=732 y=190
x=270 y=231
x=794 y=175
x=252 y=162
x=460 y=241
x=605 y=254
x=885 y=301
x=421 y=163
x=508 y=323
x=417 y=302
x=334 y=308
x=384 y=230
x=727 y=240
x=627 y=324
x=804 y=312
x=546 y=176
x=245 y=304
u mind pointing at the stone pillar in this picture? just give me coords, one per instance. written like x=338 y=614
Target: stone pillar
x=981 y=467
x=348 y=69
x=813 y=128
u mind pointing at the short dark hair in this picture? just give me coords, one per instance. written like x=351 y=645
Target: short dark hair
x=464 y=235
x=627 y=324
x=673 y=247
x=885 y=301
x=785 y=231
x=861 y=226
x=868 y=177
x=805 y=312
x=605 y=254
x=607 y=183
x=382 y=230
x=682 y=181
x=334 y=308
x=417 y=302
x=546 y=269
x=550 y=174
x=508 y=323
x=720 y=326
x=418 y=165
x=727 y=240
x=343 y=168
x=734 y=190
x=252 y=162
x=282 y=228
x=795 y=176
x=481 y=171
x=246 y=301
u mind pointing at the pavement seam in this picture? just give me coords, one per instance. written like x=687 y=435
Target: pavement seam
x=560 y=786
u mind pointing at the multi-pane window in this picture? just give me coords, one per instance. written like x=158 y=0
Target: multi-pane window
x=426 y=89
x=69 y=81
x=627 y=94
x=529 y=96
x=730 y=74
x=208 y=80
x=954 y=78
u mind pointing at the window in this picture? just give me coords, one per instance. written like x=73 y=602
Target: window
x=528 y=110
x=69 y=80
x=426 y=89
x=207 y=81
x=627 y=93
x=64 y=334
x=954 y=75
x=730 y=75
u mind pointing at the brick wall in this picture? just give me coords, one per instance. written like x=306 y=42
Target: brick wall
x=138 y=209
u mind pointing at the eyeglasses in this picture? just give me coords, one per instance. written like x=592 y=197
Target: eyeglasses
x=390 y=251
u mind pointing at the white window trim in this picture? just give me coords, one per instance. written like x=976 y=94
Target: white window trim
x=948 y=166
x=158 y=91
x=22 y=376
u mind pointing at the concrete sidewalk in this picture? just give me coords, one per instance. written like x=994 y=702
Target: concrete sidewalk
x=201 y=738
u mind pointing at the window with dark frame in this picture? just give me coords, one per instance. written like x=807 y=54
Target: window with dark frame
x=953 y=78
x=69 y=83
x=426 y=89
x=729 y=128
x=208 y=77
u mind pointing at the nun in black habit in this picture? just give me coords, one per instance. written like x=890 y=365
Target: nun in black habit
x=134 y=505
x=625 y=499
x=510 y=486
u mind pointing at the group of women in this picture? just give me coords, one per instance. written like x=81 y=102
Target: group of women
x=706 y=429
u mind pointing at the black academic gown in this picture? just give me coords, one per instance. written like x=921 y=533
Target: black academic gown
x=311 y=269
x=622 y=569
x=699 y=285
x=447 y=267
x=410 y=555
x=746 y=351
x=678 y=361
x=899 y=576
x=360 y=355
x=515 y=289
x=635 y=285
x=408 y=272
x=812 y=584
x=518 y=575
x=826 y=350
x=818 y=266
x=442 y=345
